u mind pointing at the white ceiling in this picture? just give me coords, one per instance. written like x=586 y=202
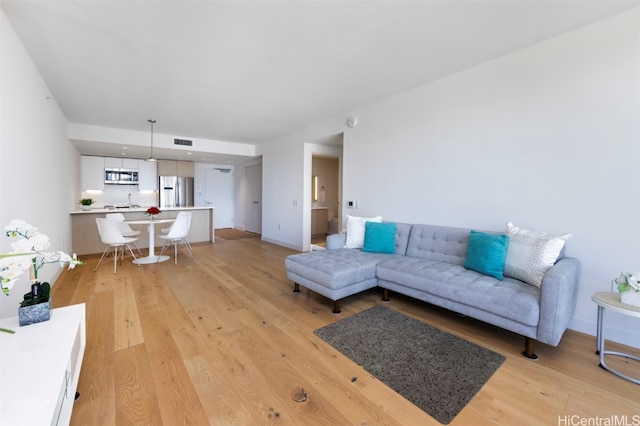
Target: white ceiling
x=249 y=72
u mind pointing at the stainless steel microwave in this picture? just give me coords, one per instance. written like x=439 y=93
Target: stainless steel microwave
x=120 y=177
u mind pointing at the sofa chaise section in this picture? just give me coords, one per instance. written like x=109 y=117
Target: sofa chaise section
x=334 y=274
x=339 y=272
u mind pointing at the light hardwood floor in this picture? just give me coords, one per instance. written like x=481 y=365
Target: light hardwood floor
x=223 y=340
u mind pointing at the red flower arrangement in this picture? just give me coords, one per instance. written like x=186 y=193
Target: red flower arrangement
x=152 y=211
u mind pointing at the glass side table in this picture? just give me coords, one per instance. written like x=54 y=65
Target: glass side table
x=611 y=301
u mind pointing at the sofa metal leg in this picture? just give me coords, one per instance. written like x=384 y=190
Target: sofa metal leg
x=336 y=307
x=296 y=288
x=529 y=348
x=385 y=295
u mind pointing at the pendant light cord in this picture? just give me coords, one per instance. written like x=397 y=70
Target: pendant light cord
x=152 y=123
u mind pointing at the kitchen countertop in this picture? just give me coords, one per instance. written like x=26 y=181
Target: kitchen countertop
x=102 y=210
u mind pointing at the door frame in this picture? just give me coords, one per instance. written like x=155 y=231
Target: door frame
x=330 y=146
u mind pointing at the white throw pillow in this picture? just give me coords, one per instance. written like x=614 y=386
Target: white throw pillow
x=355 y=230
x=531 y=254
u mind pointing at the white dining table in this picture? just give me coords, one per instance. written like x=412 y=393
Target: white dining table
x=151 y=258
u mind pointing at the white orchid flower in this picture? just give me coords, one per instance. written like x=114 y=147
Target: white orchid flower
x=74 y=261
x=50 y=257
x=634 y=281
x=8 y=276
x=22 y=261
x=29 y=252
x=36 y=243
x=20 y=228
x=65 y=259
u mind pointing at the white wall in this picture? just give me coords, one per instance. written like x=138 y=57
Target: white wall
x=547 y=137
x=40 y=168
x=283 y=185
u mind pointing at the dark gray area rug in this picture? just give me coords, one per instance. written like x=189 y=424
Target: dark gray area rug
x=435 y=370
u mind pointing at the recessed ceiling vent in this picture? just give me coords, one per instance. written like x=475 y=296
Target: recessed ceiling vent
x=183 y=142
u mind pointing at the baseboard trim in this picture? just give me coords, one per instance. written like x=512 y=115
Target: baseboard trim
x=282 y=243
x=614 y=334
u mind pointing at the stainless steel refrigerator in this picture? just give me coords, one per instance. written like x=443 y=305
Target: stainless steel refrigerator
x=176 y=191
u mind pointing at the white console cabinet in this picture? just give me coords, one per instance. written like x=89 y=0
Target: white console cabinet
x=40 y=366
x=148 y=176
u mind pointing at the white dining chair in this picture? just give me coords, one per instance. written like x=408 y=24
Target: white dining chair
x=124 y=228
x=165 y=230
x=115 y=241
x=177 y=234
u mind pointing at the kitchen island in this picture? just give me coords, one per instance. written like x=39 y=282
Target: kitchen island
x=86 y=240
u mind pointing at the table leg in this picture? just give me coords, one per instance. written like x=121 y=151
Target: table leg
x=151 y=258
x=152 y=239
x=599 y=337
x=602 y=352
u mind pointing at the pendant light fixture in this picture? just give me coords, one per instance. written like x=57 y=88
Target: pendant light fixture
x=151 y=158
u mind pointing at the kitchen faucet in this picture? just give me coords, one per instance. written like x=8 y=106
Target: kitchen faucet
x=129 y=199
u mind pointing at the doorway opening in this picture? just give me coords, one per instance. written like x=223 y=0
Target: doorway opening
x=326 y=189
x=219 y=193
x=325 y=198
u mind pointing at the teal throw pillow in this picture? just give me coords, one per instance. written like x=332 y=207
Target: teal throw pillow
x=486 y=253
x=379 y=237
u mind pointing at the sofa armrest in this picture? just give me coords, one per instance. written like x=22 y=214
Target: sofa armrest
x=336 y=241
x=558 y=299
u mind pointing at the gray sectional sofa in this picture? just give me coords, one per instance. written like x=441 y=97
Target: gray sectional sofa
x=428 y=265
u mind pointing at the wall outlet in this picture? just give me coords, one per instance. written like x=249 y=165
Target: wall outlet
x=295 y=202
x=352 y=204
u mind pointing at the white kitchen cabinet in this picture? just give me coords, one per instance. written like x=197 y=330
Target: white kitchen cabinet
x=147 y=176
x=112 y=163
x=121 y=163
x=40 y=368
x=92 y=172
x=131 y=163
